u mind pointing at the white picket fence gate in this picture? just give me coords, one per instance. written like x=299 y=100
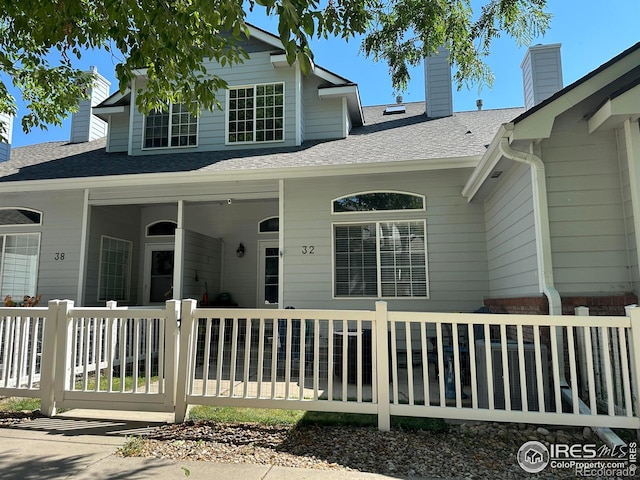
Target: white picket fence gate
x=561 y=370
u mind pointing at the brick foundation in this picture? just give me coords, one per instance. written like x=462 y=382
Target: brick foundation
x=609 y=305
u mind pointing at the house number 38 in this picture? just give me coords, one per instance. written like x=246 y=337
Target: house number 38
x=308 y=249
x=59 y=256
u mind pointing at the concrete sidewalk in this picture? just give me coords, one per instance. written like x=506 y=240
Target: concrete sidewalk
x=79 y=445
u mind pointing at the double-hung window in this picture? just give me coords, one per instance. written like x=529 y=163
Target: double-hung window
x=19 y=253
x=173 y=127
x=115 y=269
x=256 y=114
x=380 y=258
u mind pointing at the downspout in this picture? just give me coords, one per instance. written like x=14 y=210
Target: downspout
x=541 y=218
x=545 y=264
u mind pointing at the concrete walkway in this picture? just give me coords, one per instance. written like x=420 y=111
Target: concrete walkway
x=80 y=445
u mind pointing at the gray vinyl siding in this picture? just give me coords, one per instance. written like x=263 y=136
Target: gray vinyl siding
x=456 y=242
x=586 y=215
x=119 y=133
x=323 y=118
x=60 y=234
x=511 y=241
x=122 y=222
x=202 y=264
x=211 y=124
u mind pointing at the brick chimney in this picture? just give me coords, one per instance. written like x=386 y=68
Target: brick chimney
x=541 y=73
x=5 y=146
x=84 y=125
x=438 y=87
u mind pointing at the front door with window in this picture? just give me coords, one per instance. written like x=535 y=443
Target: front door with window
x=268 y=275
x=158 y=285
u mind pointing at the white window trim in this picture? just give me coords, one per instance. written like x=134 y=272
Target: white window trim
x=4 y=246
x=128 y=287
x=169 y=146
x=255 y=142
x=23 y=225
x=366 y=192
x=378 y=266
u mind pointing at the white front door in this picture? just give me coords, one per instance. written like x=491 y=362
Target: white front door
x=158 y=273
x=268 y=273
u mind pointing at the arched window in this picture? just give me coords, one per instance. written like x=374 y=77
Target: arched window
x=378 y=201
x=380 y=258
x=20 y=216
x=269 y=225
x=163 y=228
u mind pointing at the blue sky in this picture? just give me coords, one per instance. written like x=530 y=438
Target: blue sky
x=591 y=32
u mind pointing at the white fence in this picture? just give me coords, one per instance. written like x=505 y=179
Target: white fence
x=564 y=370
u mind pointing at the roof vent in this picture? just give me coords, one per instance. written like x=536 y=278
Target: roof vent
x=395 y=110
x=495 y=174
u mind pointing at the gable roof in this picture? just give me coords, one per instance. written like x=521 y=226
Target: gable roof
x=449 y=142
x=117 y=102
x=602 y=82
x=603 y=97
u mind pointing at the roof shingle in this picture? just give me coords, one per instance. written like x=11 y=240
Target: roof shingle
x=384 y=138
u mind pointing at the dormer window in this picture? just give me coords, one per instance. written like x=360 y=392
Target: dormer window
x=174 y=127
x=255 y=114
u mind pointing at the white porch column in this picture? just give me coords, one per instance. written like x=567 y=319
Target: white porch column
x=84 y=231
x=178 y=254
x=281 y=244
x=632 y=143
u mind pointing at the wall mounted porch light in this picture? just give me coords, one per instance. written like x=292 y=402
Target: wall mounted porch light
x=240 y=250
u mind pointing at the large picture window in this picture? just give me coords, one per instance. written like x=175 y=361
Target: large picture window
x=115 y=269
x=256 y=114
x=174 y=127
x=381 y=259
x=19 y=264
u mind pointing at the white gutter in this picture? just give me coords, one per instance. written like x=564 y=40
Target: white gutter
x=541 y=218
x=543 y=233
x=215 y=176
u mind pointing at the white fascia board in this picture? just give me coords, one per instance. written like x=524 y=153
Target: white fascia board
x=485 y=166
x=279 y=60
x=615 y=111
x=189 y=178
x=114 y=98
x=352 y=94
x=264 y=37
x=540 y=123
x=139 y=72
x=104 y=113
x=336 y=92
x=329 y=77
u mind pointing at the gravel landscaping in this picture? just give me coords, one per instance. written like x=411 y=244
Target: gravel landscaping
x=485 y=450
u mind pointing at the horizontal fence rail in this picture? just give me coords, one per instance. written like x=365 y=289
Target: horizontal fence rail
x=565 y=370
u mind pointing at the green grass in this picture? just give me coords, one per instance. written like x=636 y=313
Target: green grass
x=115 y=385
x=15 y=404
x=132 y=447
x=306 y=418
x=265 y=416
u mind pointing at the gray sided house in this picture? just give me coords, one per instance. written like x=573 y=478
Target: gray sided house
x=297 y=196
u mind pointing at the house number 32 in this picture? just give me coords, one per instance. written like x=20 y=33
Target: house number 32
x=308 y=249
x=59 y=256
